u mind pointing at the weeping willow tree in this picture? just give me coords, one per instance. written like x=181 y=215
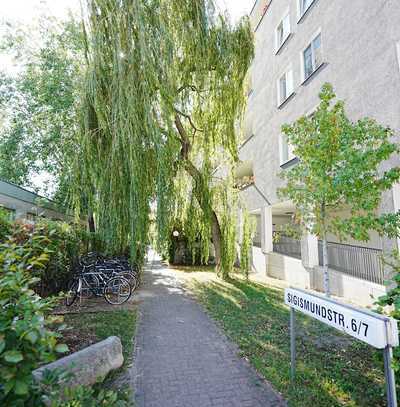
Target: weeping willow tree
x=163 y=98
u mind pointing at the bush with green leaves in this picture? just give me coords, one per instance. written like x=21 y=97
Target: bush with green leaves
x=5 y=224
x=26 y=340
x=54 y=393
x=83 y=396
x=62 y=243
x=29 y=337
x=390 y=302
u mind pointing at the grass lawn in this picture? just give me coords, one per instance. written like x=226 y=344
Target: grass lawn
x=332 y=369
x=93 y=327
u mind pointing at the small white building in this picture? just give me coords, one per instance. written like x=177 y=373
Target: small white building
x=26 y=205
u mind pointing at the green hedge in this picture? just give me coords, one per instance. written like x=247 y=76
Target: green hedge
x=38 y=259
x=63 y=243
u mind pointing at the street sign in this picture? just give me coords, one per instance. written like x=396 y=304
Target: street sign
x=377 y=330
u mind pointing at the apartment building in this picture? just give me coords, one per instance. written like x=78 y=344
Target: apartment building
x=300 y=45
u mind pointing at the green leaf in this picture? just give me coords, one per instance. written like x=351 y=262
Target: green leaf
x=13 y=356
x=2 y=343
x=21 y=388
x=32 y=336
x=61 y=348
x=8 y=386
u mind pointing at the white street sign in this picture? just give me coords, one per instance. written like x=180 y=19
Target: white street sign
x=375 y=329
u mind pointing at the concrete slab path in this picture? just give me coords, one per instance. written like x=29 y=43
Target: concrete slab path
x=182 y=359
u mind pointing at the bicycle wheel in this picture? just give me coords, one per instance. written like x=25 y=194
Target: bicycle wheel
x=72 y=291
x=117 y=290
x=133 y=281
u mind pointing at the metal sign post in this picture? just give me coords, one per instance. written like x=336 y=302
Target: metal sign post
x=377 y=330
x=292 y=344
x=389 y=373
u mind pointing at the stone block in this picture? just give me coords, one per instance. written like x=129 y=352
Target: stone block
x=88 y=365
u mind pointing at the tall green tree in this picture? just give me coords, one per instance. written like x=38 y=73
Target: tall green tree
x=38 y=101
x=164 y=90
x=339 y=168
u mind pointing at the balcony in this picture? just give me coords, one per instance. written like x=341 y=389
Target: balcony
x=360 y=262
x=286 y=245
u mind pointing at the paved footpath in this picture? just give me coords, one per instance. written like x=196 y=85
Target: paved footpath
x=182 y=359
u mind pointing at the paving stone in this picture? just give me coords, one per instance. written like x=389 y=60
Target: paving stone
x=182 y=359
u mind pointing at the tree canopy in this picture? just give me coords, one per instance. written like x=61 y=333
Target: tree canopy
x=38 y=103
x=164 y=92
x=340 y=168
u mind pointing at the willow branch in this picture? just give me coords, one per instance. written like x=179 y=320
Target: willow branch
x=189 y=118
x=191 y=87
x=85 y=38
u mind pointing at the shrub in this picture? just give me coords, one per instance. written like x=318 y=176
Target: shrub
x=5 y=224
x=53 y=392
x=30 y=338
x=25 y=338
x=62 y=242
x=392 y=299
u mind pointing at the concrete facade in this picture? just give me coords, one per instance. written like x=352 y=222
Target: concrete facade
x=359 y=54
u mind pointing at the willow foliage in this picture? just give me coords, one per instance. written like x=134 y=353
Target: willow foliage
x=163 y=92
x=246 y=244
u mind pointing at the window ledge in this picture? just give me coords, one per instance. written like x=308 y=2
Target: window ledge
x=264 y=12
x=303 y=16
x=278 y=50
x=320 y=67
x=246 y=141
x=244 y=187
x=290 y=97
x=290 y=163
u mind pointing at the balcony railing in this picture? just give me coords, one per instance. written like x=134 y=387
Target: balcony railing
x=286 y=245
x=357 y=261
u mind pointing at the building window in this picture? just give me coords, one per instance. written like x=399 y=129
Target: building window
x=312 y=57
x=30 y=216
x=285 y=86
x=282 y=32
x=286 y=150
x=305 y=5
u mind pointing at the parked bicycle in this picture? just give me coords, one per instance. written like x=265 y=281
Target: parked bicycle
x=116 y=266
x=115 y=290
x=114 y=279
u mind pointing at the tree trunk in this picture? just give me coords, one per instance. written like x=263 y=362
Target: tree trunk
x=325 y=263
x=206 y=207
x=325 y=266
x=92 y=228
x=199 y=182
x=217 y=240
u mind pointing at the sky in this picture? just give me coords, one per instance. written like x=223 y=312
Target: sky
x=25 y=11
